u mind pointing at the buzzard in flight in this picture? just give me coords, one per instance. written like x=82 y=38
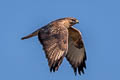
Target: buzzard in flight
x=59 y=40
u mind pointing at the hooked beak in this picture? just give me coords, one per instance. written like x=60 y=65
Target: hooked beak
x=77 y=21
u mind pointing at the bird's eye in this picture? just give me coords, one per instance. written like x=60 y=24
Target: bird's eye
x=73 y=21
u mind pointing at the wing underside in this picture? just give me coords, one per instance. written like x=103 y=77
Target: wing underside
x=76 y=51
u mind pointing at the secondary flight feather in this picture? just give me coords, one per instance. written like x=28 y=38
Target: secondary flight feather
x=60 y=40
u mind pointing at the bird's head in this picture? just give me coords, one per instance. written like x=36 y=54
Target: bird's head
x=68 y=21
x=72 y=21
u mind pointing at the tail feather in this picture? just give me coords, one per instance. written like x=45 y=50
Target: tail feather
x=31 y=35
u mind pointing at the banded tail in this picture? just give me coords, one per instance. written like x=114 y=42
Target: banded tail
x=35 y=33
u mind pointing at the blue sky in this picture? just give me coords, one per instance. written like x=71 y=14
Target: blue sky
x=25 y=60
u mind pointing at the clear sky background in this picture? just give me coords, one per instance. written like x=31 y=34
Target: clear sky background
x=25 y=60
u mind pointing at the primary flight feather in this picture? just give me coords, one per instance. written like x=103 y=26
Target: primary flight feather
x=59 y=40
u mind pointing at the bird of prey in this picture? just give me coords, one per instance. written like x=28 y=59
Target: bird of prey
x=59 y=40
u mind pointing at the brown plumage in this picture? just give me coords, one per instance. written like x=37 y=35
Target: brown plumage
x=59 y=40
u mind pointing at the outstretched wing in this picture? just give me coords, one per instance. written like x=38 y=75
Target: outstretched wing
x=55 y=44
x=76 y=51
